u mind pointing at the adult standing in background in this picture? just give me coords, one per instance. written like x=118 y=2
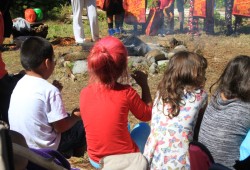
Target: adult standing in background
x=228 y=16
x=193 y=26
x=180 y=8
x=77 y=8
x=4 y=8
x=209 y=20
x=7 y=82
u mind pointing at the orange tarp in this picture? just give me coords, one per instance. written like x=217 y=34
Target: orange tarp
x=199 y=8
x=100 y=4
x=242 y=8
x=135 y=11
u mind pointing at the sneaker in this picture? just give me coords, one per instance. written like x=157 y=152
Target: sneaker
x=169 y=32
x=80 y=43
x=117 y=31
x=111 y=31
x=123 y=31
x=160 y=35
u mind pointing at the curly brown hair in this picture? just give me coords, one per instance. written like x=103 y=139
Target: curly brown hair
x=186 y=70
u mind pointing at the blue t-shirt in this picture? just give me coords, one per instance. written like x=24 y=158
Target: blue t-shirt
x=245 y=147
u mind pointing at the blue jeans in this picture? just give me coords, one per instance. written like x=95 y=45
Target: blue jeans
x=139 y=134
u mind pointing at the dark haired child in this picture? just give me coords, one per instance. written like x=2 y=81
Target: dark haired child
x=36 y=107
x=226 y=120
x=179 y=101
x=105 y=104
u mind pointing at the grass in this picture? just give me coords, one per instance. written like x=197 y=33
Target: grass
x=62 y=27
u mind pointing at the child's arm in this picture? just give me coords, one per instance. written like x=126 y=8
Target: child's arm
x=198 y=123
x=66 y=123
x=142 y=80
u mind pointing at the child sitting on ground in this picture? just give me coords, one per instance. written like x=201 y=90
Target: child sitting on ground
x=36 y=107
x=226 y=120
x=179 y=101
x=105 y=105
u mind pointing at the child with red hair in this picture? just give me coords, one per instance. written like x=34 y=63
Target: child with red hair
x=105 y=104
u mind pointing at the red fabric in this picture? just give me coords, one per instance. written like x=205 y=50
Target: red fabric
x=199 y=8
x=154 y=21
x=105 y=116
x=165 y=3
x=242 y=8
x=2 y=64
x=135 y=11
x=198 y=158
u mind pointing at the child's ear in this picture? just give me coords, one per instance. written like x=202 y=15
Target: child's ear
x=47 y=63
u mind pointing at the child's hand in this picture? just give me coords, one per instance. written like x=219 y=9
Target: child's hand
x=140 y=77
x=76 y=112
x=58 y=85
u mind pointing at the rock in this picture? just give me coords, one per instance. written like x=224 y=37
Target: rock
x=162 y=62
x=75 y=56
x=173 y=43
x=153 y=69
x=155 y=55
x=138 y=63
x=80 y=67
x=180 y=48
x=170 y=54
x=135 y=46
x=86 y=46
x=177 y=49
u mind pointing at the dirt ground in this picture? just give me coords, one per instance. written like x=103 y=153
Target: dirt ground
x=218 y=50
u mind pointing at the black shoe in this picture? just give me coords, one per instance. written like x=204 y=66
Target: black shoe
x=181 y=27
x=229 y=31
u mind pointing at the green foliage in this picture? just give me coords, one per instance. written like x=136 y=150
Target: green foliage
x=220 y=3
x=151 y=3
x=46 y=6
x=58 y=29
x=163 y=67
x=101 y=15
x=219 y=22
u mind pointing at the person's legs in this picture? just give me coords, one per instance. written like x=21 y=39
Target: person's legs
x=7 y=24
x=119 y=15
x=228 y=16
x=77 y=6
x=171 y=21
x=72 y=139
x=193 y=21
x=209 y=20
x=140 y=135
x=93 y=19
x=180 y=8
x=111 y=30
x=238 y=21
